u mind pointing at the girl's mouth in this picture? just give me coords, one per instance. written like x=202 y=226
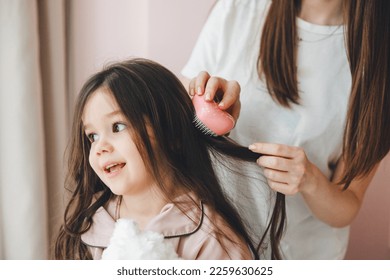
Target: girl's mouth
x=115 y=167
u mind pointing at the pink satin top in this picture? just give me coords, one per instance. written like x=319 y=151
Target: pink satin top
x=192 y=233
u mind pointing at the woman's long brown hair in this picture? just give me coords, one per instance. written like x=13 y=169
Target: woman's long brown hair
x=148 y=93
x=367 y=134
x=278 y=52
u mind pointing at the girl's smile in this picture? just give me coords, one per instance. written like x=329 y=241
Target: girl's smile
x=112 y=169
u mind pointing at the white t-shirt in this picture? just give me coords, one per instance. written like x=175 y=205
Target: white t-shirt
x=228 y=46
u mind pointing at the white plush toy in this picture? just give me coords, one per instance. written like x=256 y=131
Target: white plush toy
x=129 y=243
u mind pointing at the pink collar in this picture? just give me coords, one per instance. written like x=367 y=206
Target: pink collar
x=171 y=221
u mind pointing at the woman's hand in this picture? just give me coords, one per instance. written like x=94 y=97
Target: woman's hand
x=288 y=171
x=286 y=168
x=217 y=88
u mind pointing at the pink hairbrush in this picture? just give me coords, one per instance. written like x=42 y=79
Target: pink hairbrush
x=210 y=119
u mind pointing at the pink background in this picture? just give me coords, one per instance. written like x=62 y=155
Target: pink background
x=166 y=30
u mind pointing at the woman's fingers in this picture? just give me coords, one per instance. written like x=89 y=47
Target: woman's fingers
x=231 y=98
x=200 y=82
x=228 y=92
x=191 y=87
x=285 y=167
x=276 y=150
x=275 y=162
x=283 y=181
x=213 y=88
x=282 y=188
x=276 y=175
x=214 y=85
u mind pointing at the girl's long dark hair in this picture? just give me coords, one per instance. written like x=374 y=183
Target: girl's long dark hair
x=367 y=22
x=150 y=95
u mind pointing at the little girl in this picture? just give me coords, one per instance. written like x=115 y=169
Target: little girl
x=136 y=154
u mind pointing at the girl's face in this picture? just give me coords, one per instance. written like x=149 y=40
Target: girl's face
x=113 y=155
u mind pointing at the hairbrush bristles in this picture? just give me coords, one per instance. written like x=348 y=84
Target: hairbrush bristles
x=204 y=129
x=210 y=119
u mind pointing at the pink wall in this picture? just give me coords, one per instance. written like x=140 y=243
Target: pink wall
x=101 y=31
x=173 y=29
x=370 y=236
x=166 y=30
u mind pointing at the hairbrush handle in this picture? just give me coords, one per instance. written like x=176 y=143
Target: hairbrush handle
x=213 y=120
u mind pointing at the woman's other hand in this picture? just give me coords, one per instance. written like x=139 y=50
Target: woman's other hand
x=288 y=171
x=286 y=168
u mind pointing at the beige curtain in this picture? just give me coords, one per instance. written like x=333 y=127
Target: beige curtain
x=33 y=125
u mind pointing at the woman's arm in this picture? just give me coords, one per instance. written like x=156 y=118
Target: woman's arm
x=289 y=171
x=332 y=205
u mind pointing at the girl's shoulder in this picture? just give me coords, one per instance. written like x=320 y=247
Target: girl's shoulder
x=212 y=238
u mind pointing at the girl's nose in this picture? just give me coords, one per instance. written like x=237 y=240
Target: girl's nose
x=103 y=146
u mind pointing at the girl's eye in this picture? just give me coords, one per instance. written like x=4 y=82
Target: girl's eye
x=93 y=137
x=117 y=127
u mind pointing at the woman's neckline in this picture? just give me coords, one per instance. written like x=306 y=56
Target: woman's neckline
x=319 y=29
